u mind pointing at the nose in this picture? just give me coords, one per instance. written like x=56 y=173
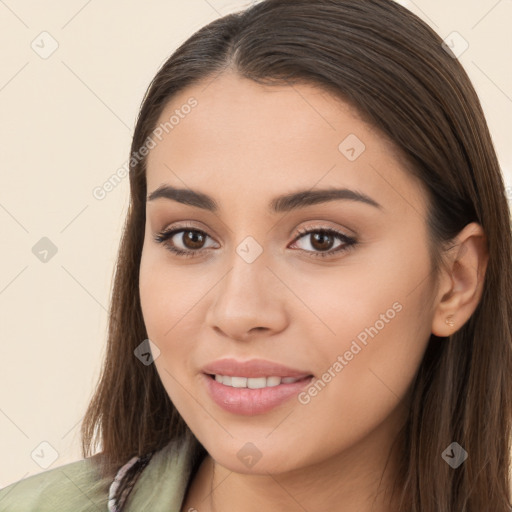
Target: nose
x=248 y=300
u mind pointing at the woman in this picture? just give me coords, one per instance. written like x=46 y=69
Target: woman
x=313 y=295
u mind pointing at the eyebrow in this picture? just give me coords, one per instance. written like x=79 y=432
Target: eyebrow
x=283 y=203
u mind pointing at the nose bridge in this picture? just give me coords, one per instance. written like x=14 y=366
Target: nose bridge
x=248 y=274
x=247 y=298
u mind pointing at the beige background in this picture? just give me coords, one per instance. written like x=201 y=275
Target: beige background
x=66 y=126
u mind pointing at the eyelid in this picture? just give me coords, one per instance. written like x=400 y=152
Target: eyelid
x=321 y=225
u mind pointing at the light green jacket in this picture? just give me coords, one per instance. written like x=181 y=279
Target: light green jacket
x=77 y=487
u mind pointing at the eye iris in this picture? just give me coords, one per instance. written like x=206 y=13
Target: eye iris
x=322 y=237
x=193 y=236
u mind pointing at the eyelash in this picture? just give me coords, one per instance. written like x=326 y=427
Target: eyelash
x=349 y=242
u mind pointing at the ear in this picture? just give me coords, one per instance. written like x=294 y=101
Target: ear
x=461 y=281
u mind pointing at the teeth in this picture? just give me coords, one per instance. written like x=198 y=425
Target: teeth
x=288 y=380
x=238 y=382
x=273 y=381
x=257 y=382
x=253 y=382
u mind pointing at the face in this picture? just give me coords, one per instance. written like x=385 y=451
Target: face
x=289 y=327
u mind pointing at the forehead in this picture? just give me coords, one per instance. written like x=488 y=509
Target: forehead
x=244 y=136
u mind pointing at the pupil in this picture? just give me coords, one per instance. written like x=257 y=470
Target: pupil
x=193 y=236
x=323 y=238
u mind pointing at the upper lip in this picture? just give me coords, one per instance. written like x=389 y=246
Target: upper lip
x=252 y=368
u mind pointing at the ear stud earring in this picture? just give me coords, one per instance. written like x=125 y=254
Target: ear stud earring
x=449 y=320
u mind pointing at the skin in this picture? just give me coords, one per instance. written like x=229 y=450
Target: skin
x=244 y=144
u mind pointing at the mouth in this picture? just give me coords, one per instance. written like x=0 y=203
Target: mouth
x=252 y=387
x=255 y=382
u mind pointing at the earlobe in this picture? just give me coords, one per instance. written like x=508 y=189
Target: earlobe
x=462 y=282
x=450 y=320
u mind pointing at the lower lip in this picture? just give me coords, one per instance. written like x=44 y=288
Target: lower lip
x=249 y=402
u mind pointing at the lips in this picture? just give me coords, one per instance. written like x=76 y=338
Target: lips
x=252 y=387
x=252 y=369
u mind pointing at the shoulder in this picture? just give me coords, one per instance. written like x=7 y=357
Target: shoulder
x=78 y=486
x=75 y=487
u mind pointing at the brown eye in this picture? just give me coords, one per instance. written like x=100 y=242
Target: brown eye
x=183 y=241
x=193 y=239
x=322 y=242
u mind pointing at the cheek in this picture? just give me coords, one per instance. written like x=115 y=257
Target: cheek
x=382 y=328
x=375 y=326
x=164 y=308
x=151 y=290
x=368 y=297
x=167 y=294
x=173 y=301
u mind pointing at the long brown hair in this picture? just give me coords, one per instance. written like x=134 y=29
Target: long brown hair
x=393 y=69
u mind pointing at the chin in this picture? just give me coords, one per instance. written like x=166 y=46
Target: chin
x=254 y=458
